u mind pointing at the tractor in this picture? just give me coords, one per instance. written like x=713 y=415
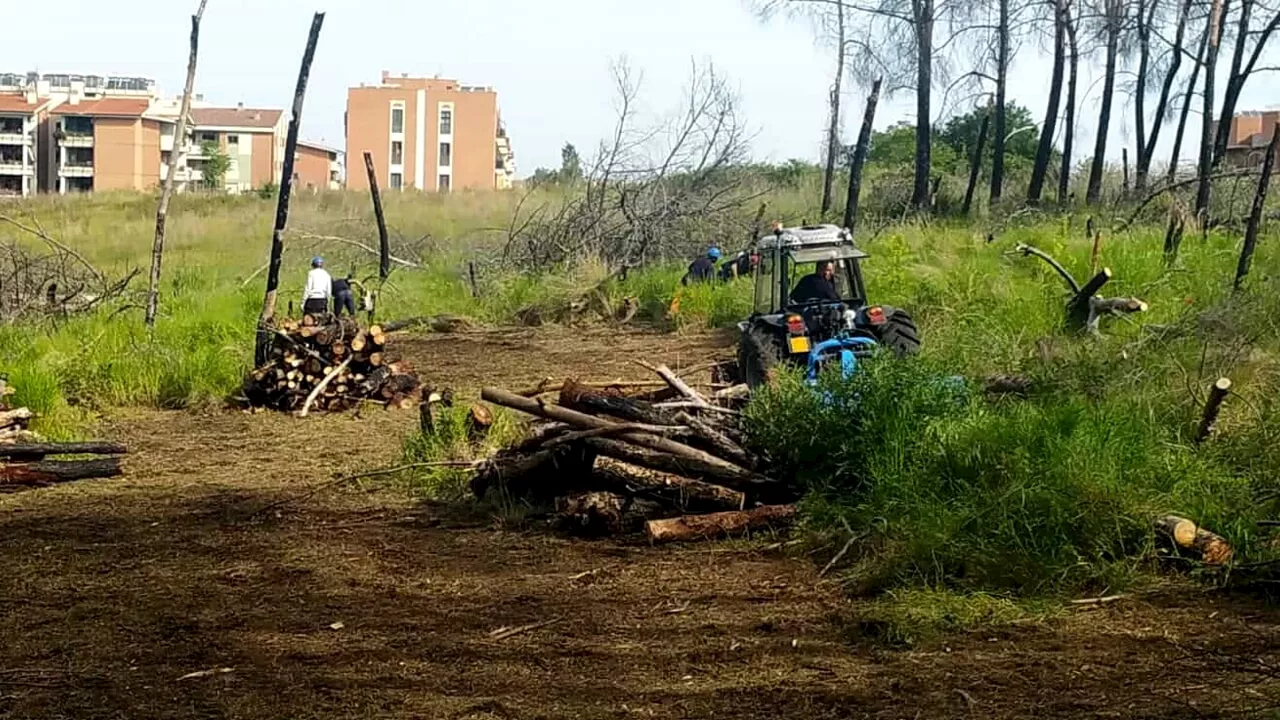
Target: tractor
x=815 y=333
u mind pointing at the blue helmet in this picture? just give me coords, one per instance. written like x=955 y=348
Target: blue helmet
x=714 y=253
x=317 y=261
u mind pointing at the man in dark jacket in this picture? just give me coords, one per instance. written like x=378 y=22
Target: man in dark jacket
x=821 y=285
x=342 y=297
x=703 y=269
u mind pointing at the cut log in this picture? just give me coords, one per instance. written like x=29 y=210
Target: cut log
x=684 y=493
x=546 y=473
x=1213 y=549
x=1212 y=406
x=716 y=442
x=49 y=472
x=606 y=513
x=707 y=527
x=39 y=450
x=10 y=418
x=479 y=420
x=576 y=396
x=759 y=488
x=700 y=461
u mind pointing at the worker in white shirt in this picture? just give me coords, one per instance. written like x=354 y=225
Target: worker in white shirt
x=315 y=298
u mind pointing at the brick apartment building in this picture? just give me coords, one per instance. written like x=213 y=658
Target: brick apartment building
x=79 y=133
x=429 y=134
x=1250 y=133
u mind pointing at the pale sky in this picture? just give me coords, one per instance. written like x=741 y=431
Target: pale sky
x=548 y=60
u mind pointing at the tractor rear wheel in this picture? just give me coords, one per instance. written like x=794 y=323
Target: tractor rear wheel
x=757 y=354
x=900 y=334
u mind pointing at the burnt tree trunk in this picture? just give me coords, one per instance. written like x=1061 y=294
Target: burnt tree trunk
x=1069 y=121
x=1044 y=149
x=922 y=11
x=860 y=158
x=1204 y=168
x=262 y=347
x=1114 y=21
x=1259 y=201
x=50 y=472
x=1180 y=133
x=384 y=241
x=975 y=163
x=1147 y=152
x=1240 y=74
x=1002 y=81
x=833 y=129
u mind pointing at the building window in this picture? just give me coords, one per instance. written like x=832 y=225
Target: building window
x=446 y=154
x=443 y=182
x=208 y=137
x=397 y=152
x=446 y=121
x=397 y=181
x=397 y=119
x=233 y=139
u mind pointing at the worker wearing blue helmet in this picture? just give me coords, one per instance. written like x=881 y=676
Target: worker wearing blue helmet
x=703 y=269
x=315 y=297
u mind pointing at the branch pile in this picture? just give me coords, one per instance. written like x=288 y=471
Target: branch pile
x=58 y=282
x=330 y=363
x=615 y=463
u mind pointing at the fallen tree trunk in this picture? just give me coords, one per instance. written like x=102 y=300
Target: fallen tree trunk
x=1213 y=549
x=36 y=451
x=707 y=527
x=685 y=493
x=717 y=442
x=576 y=396
x=704 y=463
x=546 y=473
x=49 y=472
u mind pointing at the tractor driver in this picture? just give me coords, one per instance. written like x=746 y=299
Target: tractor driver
x=819 y=286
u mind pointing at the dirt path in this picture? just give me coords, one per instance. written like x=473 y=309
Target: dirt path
x=365 y=603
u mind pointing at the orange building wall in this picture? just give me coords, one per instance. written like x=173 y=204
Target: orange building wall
x=312 y=168
x=263 y=170
x=117 y=154
x=475 y=122
x=150 y=169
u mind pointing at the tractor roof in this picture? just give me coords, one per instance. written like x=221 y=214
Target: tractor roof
x=813 y=242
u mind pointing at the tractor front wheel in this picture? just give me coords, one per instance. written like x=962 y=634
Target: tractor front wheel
x=900 y=334
x=757 y=354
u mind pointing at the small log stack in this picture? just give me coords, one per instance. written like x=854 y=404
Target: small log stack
x=14 y=421
x=23 y=463
x=618 y=463
x=330 y=363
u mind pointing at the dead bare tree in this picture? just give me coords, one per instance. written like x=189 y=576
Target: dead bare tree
x=1044 y=149
x=649 y=188
x=1204 y=168
x=166 y=188
x=55 y=283
x=1162 y=70
x=1069 y=120
x=1186 y=102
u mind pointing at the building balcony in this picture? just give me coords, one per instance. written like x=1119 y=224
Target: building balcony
x=80 y=141
x=15 y=167
x=14 y=138
x=75 y=171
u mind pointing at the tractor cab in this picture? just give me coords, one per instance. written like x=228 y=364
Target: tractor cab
x=786 y=326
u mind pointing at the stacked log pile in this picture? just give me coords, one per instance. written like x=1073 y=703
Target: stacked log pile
x=614 y=463
x=23 y=463
x=13 y=420
x=330 y=363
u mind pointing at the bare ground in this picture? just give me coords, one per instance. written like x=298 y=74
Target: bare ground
x=363 y=602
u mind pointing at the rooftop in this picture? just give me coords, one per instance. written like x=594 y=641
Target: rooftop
x=237 y=117
x=14 y=103
x=106 y=107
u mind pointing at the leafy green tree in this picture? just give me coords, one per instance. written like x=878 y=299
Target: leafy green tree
x=896 y=147
x=216 y=164
x=961 y=133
